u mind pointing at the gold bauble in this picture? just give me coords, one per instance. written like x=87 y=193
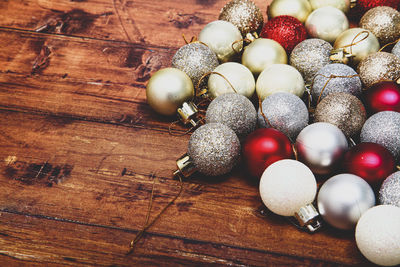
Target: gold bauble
x=168 y=89
x=343 y=5
x=299 y=9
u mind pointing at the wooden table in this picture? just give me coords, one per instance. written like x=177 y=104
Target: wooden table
x=79 y=145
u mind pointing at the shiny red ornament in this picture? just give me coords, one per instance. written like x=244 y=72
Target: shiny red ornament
x=286 y=30
x=264 y=147
x=383 y=96
x=370 y=161
x=363 y=6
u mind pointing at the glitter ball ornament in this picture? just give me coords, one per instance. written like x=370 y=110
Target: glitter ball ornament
x=231 y=77
x=300 y=9
x=235 y=111
x=214 y=149
x=343 y=5
x=396 y=49
x=342 y=110
x=262 y=53
x=279 y=78
x=285 y=112
x=244 y=14
x=378 y=234
x=343 y=198
x=335 y=78
x=326 y=23
x=383 y=128
x=383 y=96
x=389 y=194
x=195 y=59
x=310 y=56
x=363 y=6
x=384 y=22
x=378 y=67
x=220 y=36
x=286 y=30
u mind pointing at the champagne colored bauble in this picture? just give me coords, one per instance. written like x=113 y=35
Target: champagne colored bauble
x=343 y=110
x=195 y=59
x=214 y=149
x=262 y=53
x=244 y=14
x=396 y=49
x=378 y=235
x=343 y=198
x=343 y=5
x=220 y=36
x=384 y=22
x=279 y=78
x=379 y=67
x=326 y=23
x=358 y=42
x=300 y=9
x=239 y=77
x=235 y=111
x=310 y=56
x=383 y=96
x=389 y=194
x=286 y=186
x=167 y=89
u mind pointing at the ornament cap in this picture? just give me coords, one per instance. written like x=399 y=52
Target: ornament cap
x=340 y=56
x=188 y=113
x=353 y=3
x=185 y=166
x=308 y=217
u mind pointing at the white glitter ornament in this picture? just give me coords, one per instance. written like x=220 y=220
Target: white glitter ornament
x=378 y=234
x=389 y=194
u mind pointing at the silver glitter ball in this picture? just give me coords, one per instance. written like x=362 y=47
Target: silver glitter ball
x=383 y=128
x=389 y=194
x=214 y=149
x=379 y=66
x=309 y=56
x=343 y=110
x=195 y=59
x=235 y=111
x=330 y=79
x=396 y=49
x=285 y=112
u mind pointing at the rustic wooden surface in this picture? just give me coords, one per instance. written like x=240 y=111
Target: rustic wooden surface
x=79 y=146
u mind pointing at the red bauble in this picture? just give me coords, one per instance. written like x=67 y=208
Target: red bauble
x=370 y=161
x=363 y=6
x=286 y=30
x=264 y=147
x=383 y=96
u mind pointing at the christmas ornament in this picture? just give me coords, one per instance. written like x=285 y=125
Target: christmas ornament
x=342 y=110
x=370 y=161
x=279 y=78
x=168 y=89
x=326 y=23
x=264 y=147
x=383 y=96
x=286 y=30
x=378 y=235
x=335 y=78
x=235 y=111
x=363 y=6
x=310 y=56
x=262 y=53
x=321 y=146
x=357 y=42
x=231 y=77
x=213 y=150
x=396 y=49
x=245 y=15
x=223 y=38
x=343 y=198
x=285 y=112
x=195 y=59
x=300 y=9
x=389 y=194
x=383 y=128
x=378 y=67
x=343 y=5
x=384 y=22
x=287 y=188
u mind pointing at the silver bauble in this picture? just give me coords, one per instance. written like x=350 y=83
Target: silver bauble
x=383 y=128
x=285 y=112
x=321 y=147
x=389 y=194
x=214 y=149
x=343 y=198
x=396 y=49
x=235 y=111
x=310 y=56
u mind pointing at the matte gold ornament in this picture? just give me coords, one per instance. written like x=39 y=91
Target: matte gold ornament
x=262 y=53
x=299 y=9
x=343 y=5
x=168 y=89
